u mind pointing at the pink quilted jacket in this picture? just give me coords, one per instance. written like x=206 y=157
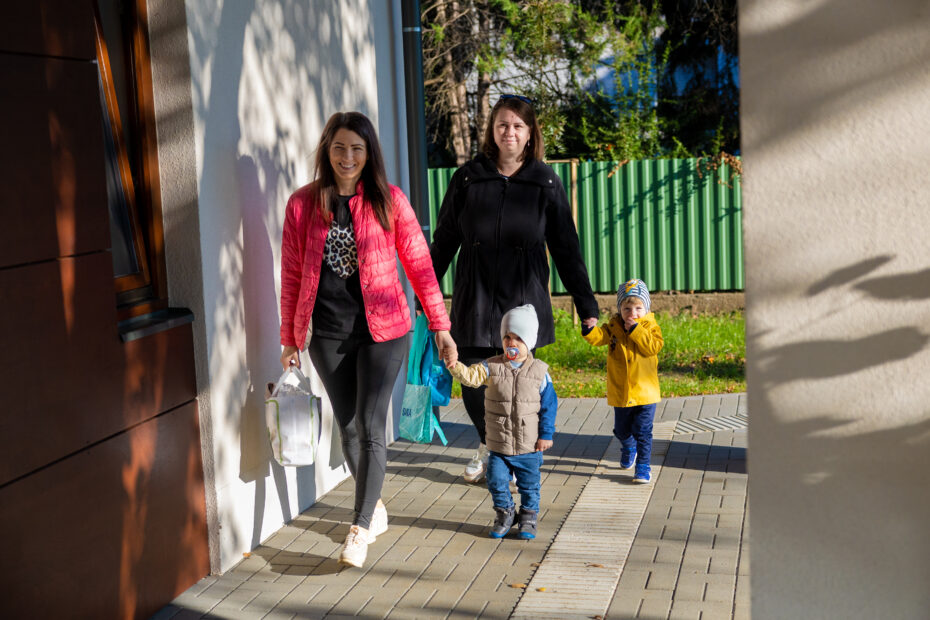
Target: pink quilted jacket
x=385 y=303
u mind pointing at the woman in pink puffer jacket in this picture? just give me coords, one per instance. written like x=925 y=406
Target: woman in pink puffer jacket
x=339 y=282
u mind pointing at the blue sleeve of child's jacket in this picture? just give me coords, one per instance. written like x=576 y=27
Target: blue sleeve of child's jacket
x=548 y=405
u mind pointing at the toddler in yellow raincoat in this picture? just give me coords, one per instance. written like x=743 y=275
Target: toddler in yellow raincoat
x=634 y=340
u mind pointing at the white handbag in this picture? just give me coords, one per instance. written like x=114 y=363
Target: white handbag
x=292 y=415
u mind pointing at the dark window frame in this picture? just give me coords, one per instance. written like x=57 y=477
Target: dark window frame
x=146 y=290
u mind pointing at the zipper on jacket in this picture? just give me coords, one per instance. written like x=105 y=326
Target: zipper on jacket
x=497 y=256
x=515 y=425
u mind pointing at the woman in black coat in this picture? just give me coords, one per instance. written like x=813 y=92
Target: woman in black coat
x=502 y=210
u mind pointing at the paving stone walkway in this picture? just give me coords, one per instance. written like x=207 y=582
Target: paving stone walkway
x=690 y=558
x=676 y=548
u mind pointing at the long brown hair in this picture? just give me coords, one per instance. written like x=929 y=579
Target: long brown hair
x=375 y=188
x=534 y=148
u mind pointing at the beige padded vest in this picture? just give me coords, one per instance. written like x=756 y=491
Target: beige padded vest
x=511 y=405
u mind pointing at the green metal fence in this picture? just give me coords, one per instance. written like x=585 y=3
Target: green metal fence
x=657 y=220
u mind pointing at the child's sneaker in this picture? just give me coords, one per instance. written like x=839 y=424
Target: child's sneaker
x=642 y=474
x=502 y=523
x=627 y=458
x=527 y=527
x=477 y=467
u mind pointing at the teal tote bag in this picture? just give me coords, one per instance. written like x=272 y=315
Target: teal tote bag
x=418 y=423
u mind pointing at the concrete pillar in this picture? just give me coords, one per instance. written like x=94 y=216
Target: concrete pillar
x=836 y=153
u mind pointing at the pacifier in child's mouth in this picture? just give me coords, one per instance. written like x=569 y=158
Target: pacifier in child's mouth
x=512 y=353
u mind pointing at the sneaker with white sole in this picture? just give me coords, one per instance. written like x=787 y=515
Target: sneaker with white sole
x=643 y=474
x=355 y=549
x=379 y=522
x=477 y=467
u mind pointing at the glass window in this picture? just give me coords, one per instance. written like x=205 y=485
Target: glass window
x=123 y=70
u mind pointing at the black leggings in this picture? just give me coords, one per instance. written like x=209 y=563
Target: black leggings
x=473 y=398
x=359 y=379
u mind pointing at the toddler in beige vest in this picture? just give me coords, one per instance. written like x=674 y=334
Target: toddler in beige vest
x=520 y=406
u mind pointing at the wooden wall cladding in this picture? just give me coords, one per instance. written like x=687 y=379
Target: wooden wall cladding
x=51 y=164
x=115 y=531
x=101 y=474
x=68 y=380
x=62 y=28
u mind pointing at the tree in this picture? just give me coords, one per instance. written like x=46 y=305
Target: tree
x=532 y=47
x=699 y=92
x=452 y=40
x=616 y=117
x=671 y=85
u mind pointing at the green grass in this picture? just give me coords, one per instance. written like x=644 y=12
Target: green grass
x=702 y=355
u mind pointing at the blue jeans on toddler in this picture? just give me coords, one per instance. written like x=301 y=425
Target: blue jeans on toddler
x=633 y=427
x=526 y=469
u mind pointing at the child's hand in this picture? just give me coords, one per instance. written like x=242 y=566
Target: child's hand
x=452 y=358
x=629 y=324
x=543 y=444
x=589 y=323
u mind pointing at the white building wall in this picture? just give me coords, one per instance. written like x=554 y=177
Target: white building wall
x=243 y=89
x=835 y=128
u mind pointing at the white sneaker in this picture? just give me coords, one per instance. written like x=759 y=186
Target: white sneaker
x=477 y=467
x=379 y=522
x=355 y=549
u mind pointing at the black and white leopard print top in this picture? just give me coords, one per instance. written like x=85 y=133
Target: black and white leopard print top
x=339 y=309
x=340 y=252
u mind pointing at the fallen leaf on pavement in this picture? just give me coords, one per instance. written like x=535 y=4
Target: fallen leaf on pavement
x=518 y=585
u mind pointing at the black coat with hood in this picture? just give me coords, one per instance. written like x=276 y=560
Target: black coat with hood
x=502 y=226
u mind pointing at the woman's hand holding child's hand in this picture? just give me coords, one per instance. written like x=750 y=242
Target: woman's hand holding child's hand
x=590 y=322
x=447 y=349
x=543 y=444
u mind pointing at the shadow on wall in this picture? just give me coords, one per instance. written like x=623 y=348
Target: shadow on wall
x=832 y=447
x=830 y=358
x=851 y=538
x=857 y=86
x=258 y=300
x=858 y=560
x=275 y=72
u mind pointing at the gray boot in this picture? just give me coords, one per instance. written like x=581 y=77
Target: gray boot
x=527 y=527
x=502 y=523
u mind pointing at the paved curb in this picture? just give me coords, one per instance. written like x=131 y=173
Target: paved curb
x=583 y=565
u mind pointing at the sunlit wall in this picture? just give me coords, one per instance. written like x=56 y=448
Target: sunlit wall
x=243 y=89
x=835 y=153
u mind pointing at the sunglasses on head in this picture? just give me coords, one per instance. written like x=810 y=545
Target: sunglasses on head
x=526 y=100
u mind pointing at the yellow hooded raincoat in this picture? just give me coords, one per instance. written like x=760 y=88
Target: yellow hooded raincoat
x=632 y=362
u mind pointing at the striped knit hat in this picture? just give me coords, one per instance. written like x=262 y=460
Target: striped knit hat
x=633 y=288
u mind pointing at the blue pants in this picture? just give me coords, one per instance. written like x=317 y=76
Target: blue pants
x=633 y=427
x=526 y=469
